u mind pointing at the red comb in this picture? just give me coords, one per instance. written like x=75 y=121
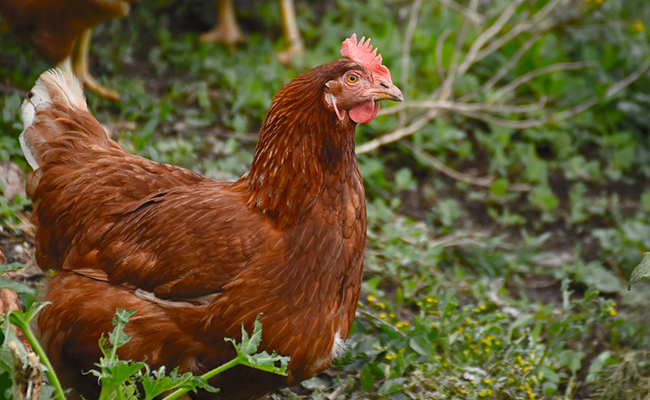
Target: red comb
x=363 y=53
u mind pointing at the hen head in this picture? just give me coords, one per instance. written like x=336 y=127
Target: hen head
x=358 y=90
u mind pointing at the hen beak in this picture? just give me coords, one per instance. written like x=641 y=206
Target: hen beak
x=388 y=91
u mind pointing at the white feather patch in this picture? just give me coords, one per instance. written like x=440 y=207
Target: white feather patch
x=62 y=86
x=339 y=347
x=52 y=85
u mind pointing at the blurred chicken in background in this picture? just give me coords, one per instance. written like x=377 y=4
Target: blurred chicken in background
x=60 y=31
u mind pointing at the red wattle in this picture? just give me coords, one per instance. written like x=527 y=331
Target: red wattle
x=364 y=113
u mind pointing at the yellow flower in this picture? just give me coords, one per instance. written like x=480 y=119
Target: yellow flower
x=612 y=312
x=525 y=369
x=370 y=299
x=383 y=315
x=482 y=393
x=497 y=342
x=487 y=340
x=434 y=325
x=392 y=315
x=482 y=307
x=399 y=324
x=530 y=394
x=487 y=380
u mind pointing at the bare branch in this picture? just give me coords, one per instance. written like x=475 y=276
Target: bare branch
x=505 y=69
x=458 y=107
x=471 y=15
x=527 y=77
x=445 y=90
x=489 y=33
x=406 y=50
x=439 y=46
x=441 y=101
x=537 y=21
x=500 y=42
x=546 y=10
x=532 y=122
x=575 y=110
x=630 y=79
x=419 y=123
x=398 y=133
x=383 y=321
x=461 y=238
x=459 y=176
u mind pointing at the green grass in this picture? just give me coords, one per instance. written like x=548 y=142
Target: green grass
x=511 y=286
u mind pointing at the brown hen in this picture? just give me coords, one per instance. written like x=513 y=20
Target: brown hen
x=197 y=258
x=60 y=30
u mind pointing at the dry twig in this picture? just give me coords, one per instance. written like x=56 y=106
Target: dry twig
x=459 y=176
x=487 y=43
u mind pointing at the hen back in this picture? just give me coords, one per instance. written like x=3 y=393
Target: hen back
x=194 y=257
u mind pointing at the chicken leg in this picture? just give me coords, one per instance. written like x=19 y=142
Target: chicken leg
x=226 y=30
x=79 y=64
x=291 y=32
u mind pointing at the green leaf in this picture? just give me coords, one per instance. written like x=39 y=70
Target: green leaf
x=422 y=346
x=641 y=271
x=499 y=187
x=6 y=283
x=366 y=379
x=156 y=383
x=571 y=359
x=404 y=180
x=114 y=374
x=246 y=352
x=6 y=359
x=18 y=287
x=15 y=266
x=117 y=337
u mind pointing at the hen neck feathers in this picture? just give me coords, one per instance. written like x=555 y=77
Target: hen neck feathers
x=301 y=143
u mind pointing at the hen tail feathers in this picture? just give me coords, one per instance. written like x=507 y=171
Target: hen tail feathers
x=54 y=88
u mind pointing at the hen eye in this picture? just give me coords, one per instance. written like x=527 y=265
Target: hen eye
x=352 y=78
